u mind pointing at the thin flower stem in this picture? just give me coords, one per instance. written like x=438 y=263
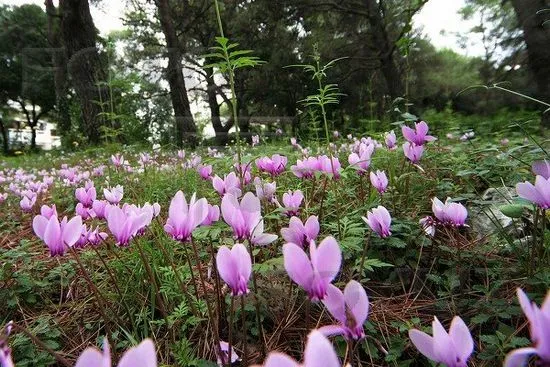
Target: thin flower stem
x=231 y=73
x=363 y=256
x=219 y=297
x=348 y=350
x=42 y=345
x=541 y=245
x=308 y=305
x=230 y=339
x=323 y=191
x=257 y=305
x=193 y=280
x=243 y=320
x=115 y=283
x=208 y=306
x=181 y=284
x=153 y=281
x=97 y=295
x=532 y=261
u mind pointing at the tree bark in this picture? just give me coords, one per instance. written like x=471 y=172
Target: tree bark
x=186 y=131
x=381 y=41
x=84 y=65
x=537 y=39
x=5 y=142
x=211 y=90
x=59 y=60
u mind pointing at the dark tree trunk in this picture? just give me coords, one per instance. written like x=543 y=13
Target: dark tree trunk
x=59 y=60
x=537 y=39
x=33 y=137
x=84 y=64
x=186 y=131
x=5 y=142
x=386 y=55
x=220 y=130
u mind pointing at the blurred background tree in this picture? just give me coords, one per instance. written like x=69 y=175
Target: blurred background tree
x=143 y=82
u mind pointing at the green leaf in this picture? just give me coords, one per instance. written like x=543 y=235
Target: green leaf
x=512 y=210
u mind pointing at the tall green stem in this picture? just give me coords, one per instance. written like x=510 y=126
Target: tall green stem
x=231 y=72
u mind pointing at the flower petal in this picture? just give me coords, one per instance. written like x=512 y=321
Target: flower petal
x=319 y=352
x=357 y=300
x=462 y=338
x=423 y=342
x=143 y=355
x=297 y=265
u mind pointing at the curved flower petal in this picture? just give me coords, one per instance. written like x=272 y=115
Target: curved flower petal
x=142 y=355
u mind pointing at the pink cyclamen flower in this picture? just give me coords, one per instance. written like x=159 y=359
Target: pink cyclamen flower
x=361 y=160
x=5 y=350
x=319 y=352
x=229 y=184
x=305 y=168
x=292 y=202
x=449 y=213
x=83 y=212
x=3 y=197
x=125 y=226
x=265 y=190
x=315 y=273
x=213 y=215
x=538 y=194
x=57 y=235
x=48 y=211
x=142 y=355
x=379 y=181
x=183 y=218
x=330 y=166
x=428 y=225
x=350 y=308
x=274 y=165
x=541 y=168
x=118 y=160
x=27 y=203
x=99 y=207
x=243 y=172
x=114 y=195
x=418 y=135
x=223 y=359
x=85 y=196
x=255 y=140
x=144 y=158
x=539 y=327
x=390 y=140
x=205 y=172
x=453 y=349
x=245 y=218
x=299 y=233
x=235 y=268
x=95 y=237
x=181 y=154
x=379 y=220
x=413 y=152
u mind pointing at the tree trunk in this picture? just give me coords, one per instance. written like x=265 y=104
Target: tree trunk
x=59 y=60
x=381 y=41
x=5 y=142
x=84 y=65
x=222 y=131
x=537 y=39
x=33 y=137
x=186 y=131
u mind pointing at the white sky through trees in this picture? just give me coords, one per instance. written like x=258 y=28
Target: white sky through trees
x=437 y=16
